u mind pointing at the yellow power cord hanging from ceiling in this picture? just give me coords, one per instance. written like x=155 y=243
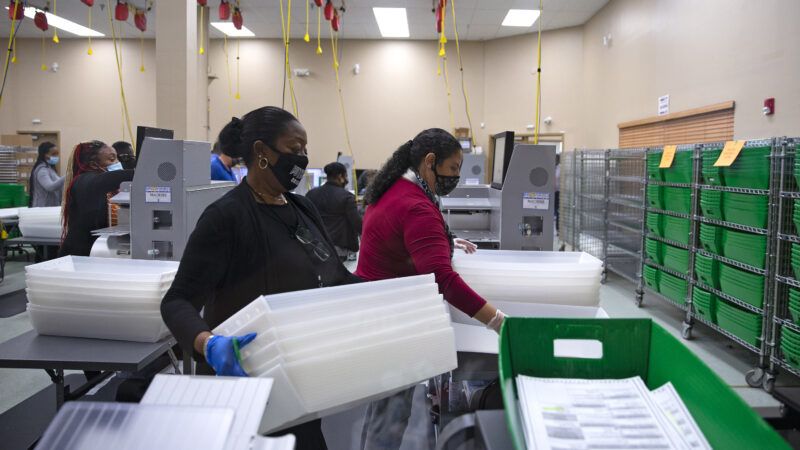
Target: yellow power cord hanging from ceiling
x=202 y=27
x=286 y=28
x=42 y=57
x=127 y=116
x=319 y=31
x=538 y=78
x=55 y=30
x=238 y=94
x=443 y=62
x=335 y=51
x=89 y=51
x=228 y=73
x=306 y=37
x=10 y=45
x=461 y=68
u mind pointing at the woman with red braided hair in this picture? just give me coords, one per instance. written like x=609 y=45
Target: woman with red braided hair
x=93 y=172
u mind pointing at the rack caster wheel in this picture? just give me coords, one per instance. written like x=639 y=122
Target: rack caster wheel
x=603 y=278
x=638 y=300
x=686 y=331
x=755 y=377
x=769 y=383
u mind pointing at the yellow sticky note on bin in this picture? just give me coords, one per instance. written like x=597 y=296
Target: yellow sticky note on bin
x=667 y=156
x=729 y=153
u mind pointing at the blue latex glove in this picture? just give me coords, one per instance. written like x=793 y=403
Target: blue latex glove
x=222 y=354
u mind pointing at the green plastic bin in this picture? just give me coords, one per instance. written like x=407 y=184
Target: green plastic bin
x=676 y=229
x=705 y=304
x=651 y=277
x=747 y=248
x=745 y=286
x=654 y=173
x=653 y=223
x=677 y=199
x=12 y=195
x=711 y=204
x=796 y=260
x=711 y=238
x=675 y=258
x=655 y=197
x=749 y=170
x=742 y=324
x=673 y=288
x=707 y=270
x=745 y=209
x=631 y=347
x=796 y=215
x=711 y=175
x=652 y=249
x=681 y=169
x=794 y=305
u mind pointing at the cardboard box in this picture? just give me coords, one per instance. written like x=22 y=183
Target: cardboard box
x=22 y=140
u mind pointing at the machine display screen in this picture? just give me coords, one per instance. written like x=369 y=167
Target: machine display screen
x=499 y=160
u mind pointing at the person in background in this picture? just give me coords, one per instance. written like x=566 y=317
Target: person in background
x=125 y=154
x=221 y=164
x=258 y=239
x=46 y=186
x=405 y=234
x=364 y=180
x=338 y=209
x=92 y=173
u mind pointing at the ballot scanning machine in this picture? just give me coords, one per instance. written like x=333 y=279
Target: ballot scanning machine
x=159 y=209
x=516 y=210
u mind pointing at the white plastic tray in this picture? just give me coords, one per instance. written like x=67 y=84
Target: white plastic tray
x=99 y=288
x=106 y=269
x=84 y=301
x=143 y=327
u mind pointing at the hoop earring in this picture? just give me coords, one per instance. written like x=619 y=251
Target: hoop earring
x=263 y=162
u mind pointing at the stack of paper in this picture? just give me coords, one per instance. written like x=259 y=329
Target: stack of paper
x=105 y=298
x=583 y=414
x=561 y=278
x=333 y=347
x=40 y=222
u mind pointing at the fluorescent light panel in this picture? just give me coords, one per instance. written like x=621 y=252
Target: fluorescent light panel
x=63 y=24
x=392 y=22
x=230 y=30
x=521 y=17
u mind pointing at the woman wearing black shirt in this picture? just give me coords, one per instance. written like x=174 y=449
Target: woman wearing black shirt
x=93 y=172
x=258 y=239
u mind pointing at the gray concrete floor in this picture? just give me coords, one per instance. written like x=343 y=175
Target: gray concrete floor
x=726 y=358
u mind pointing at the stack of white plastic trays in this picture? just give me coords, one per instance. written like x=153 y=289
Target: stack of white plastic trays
x=331 y=348
x=40 y=222
x=559 y=278
x=103 y=298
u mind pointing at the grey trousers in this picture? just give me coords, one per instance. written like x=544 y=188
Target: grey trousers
x=386 y=421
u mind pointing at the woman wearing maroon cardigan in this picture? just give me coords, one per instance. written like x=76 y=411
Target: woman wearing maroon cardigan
x=404 y=234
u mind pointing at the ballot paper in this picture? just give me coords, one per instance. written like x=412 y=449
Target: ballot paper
x=593 y=414
x=670 y=403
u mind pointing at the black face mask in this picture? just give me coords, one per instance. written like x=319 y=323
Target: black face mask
x=445 y=185
x=289 y=169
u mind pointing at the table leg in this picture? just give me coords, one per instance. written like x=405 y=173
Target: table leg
x=187 y=362
x=173 y=360
x=57 y=377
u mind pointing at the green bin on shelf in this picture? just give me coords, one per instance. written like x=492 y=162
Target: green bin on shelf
x=711 y=204
x=651 y=277
x=653 y=223
x=707 y=270
x=653 y=171
x=711 y=175
x=705 y=304
x=797 y=165
x=655 y=197
x=673 y=288
x=745 y=286
x=12 y=195
x=675 y=258
x=794 y=305
x=747 y=248
x=796 y=216
x=745 y=209
x=743 y=324
x=681 y=170
x=676 y=229
x=796 y=260
x=677 y=199
x=652 y=249
x=750 y=169
x=711 y=238
x=631 y=347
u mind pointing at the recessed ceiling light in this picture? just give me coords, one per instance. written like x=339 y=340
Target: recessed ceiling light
x=230 y=30
x=521 y=17
x=63 y=24
x=392 y=22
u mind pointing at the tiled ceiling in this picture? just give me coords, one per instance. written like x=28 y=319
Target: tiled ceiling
x=478 y=20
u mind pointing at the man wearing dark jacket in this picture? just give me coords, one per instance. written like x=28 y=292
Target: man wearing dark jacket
x=337 y=206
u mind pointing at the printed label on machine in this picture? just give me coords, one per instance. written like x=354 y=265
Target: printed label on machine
x=535 y=200
x=472 y=182
x=158 y=194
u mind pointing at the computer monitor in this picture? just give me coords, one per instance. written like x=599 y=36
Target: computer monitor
x=503 y=148
x=317 y=177
x=143 y=132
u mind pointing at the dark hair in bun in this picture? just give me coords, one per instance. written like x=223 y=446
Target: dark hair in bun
x=263 y=124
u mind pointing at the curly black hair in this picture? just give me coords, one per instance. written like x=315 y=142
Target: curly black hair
x=409 y=156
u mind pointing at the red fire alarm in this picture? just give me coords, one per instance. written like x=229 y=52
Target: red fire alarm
x=769 y=106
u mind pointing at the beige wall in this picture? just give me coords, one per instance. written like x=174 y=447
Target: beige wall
x=82 y=99
x=396 y=95
x=698 y=52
